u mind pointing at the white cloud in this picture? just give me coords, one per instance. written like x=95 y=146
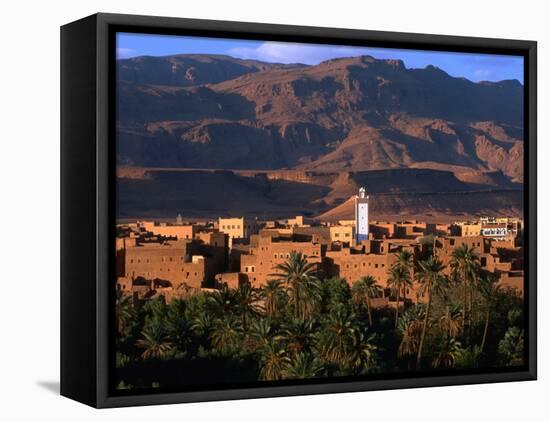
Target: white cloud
x=281 y=52
x=123 y=53
x=483 y=74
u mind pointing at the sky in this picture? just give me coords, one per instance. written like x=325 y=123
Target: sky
x=475 y=67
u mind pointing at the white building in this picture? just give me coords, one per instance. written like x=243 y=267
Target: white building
x=361 y=216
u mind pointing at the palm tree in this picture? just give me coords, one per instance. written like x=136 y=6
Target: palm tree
x=177 y=325
x=299 y=278
x=297 y=335
x=125 y=312
x=405 y=260
x=410 y=327
x=399 y=278
x=510 y=348
x=336 y=339
x=226 y=335
x=363 y=291
x=334 y=292
x=468 y=357
x=246 y=303
x=202 y=326
x=261 y=333
x=432 y=282
x=274 y=361
x=222 y=301
x=489 y=289
x=156 y=341
x=465 y=264
x=304 y=365
x=274 y=297
x=449 y=354
x=363 y=357
x=451 y=321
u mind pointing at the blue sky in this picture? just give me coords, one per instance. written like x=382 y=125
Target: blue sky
x=475 y=67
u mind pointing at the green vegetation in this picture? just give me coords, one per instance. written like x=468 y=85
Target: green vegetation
x=302 y=325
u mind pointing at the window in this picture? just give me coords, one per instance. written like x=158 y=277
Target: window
x=375 y=265
x=131 y=261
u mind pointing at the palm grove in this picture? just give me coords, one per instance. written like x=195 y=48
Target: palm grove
x=303 y=325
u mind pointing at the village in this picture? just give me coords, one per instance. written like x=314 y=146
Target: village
x=179 y=259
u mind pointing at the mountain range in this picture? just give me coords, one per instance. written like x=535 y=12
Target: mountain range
x=335 y=121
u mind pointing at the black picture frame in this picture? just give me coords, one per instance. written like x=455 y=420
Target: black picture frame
x=87 y=202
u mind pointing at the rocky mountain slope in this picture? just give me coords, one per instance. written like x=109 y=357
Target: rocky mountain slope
x=342 y=116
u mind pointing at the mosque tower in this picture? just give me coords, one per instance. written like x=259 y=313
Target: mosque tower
x=361 y=216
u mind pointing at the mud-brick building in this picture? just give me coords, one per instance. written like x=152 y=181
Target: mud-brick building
x=497 y=256
x=238 y=228
x=193 y=262
x=414 y=229
x=344 y=234
x=175 y=262
x=267 y=251
x=372 y=257
x=382 y=229
x=187 y=231
x=353 y=264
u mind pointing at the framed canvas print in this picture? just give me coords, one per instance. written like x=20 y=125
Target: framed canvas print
x=253 y=210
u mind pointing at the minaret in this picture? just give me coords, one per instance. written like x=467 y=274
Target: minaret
x=361 y=216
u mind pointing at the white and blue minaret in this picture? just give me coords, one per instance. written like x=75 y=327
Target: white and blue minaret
x=361 y=216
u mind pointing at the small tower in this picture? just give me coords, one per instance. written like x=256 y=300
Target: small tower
x=179 y=220
x=361 y=216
